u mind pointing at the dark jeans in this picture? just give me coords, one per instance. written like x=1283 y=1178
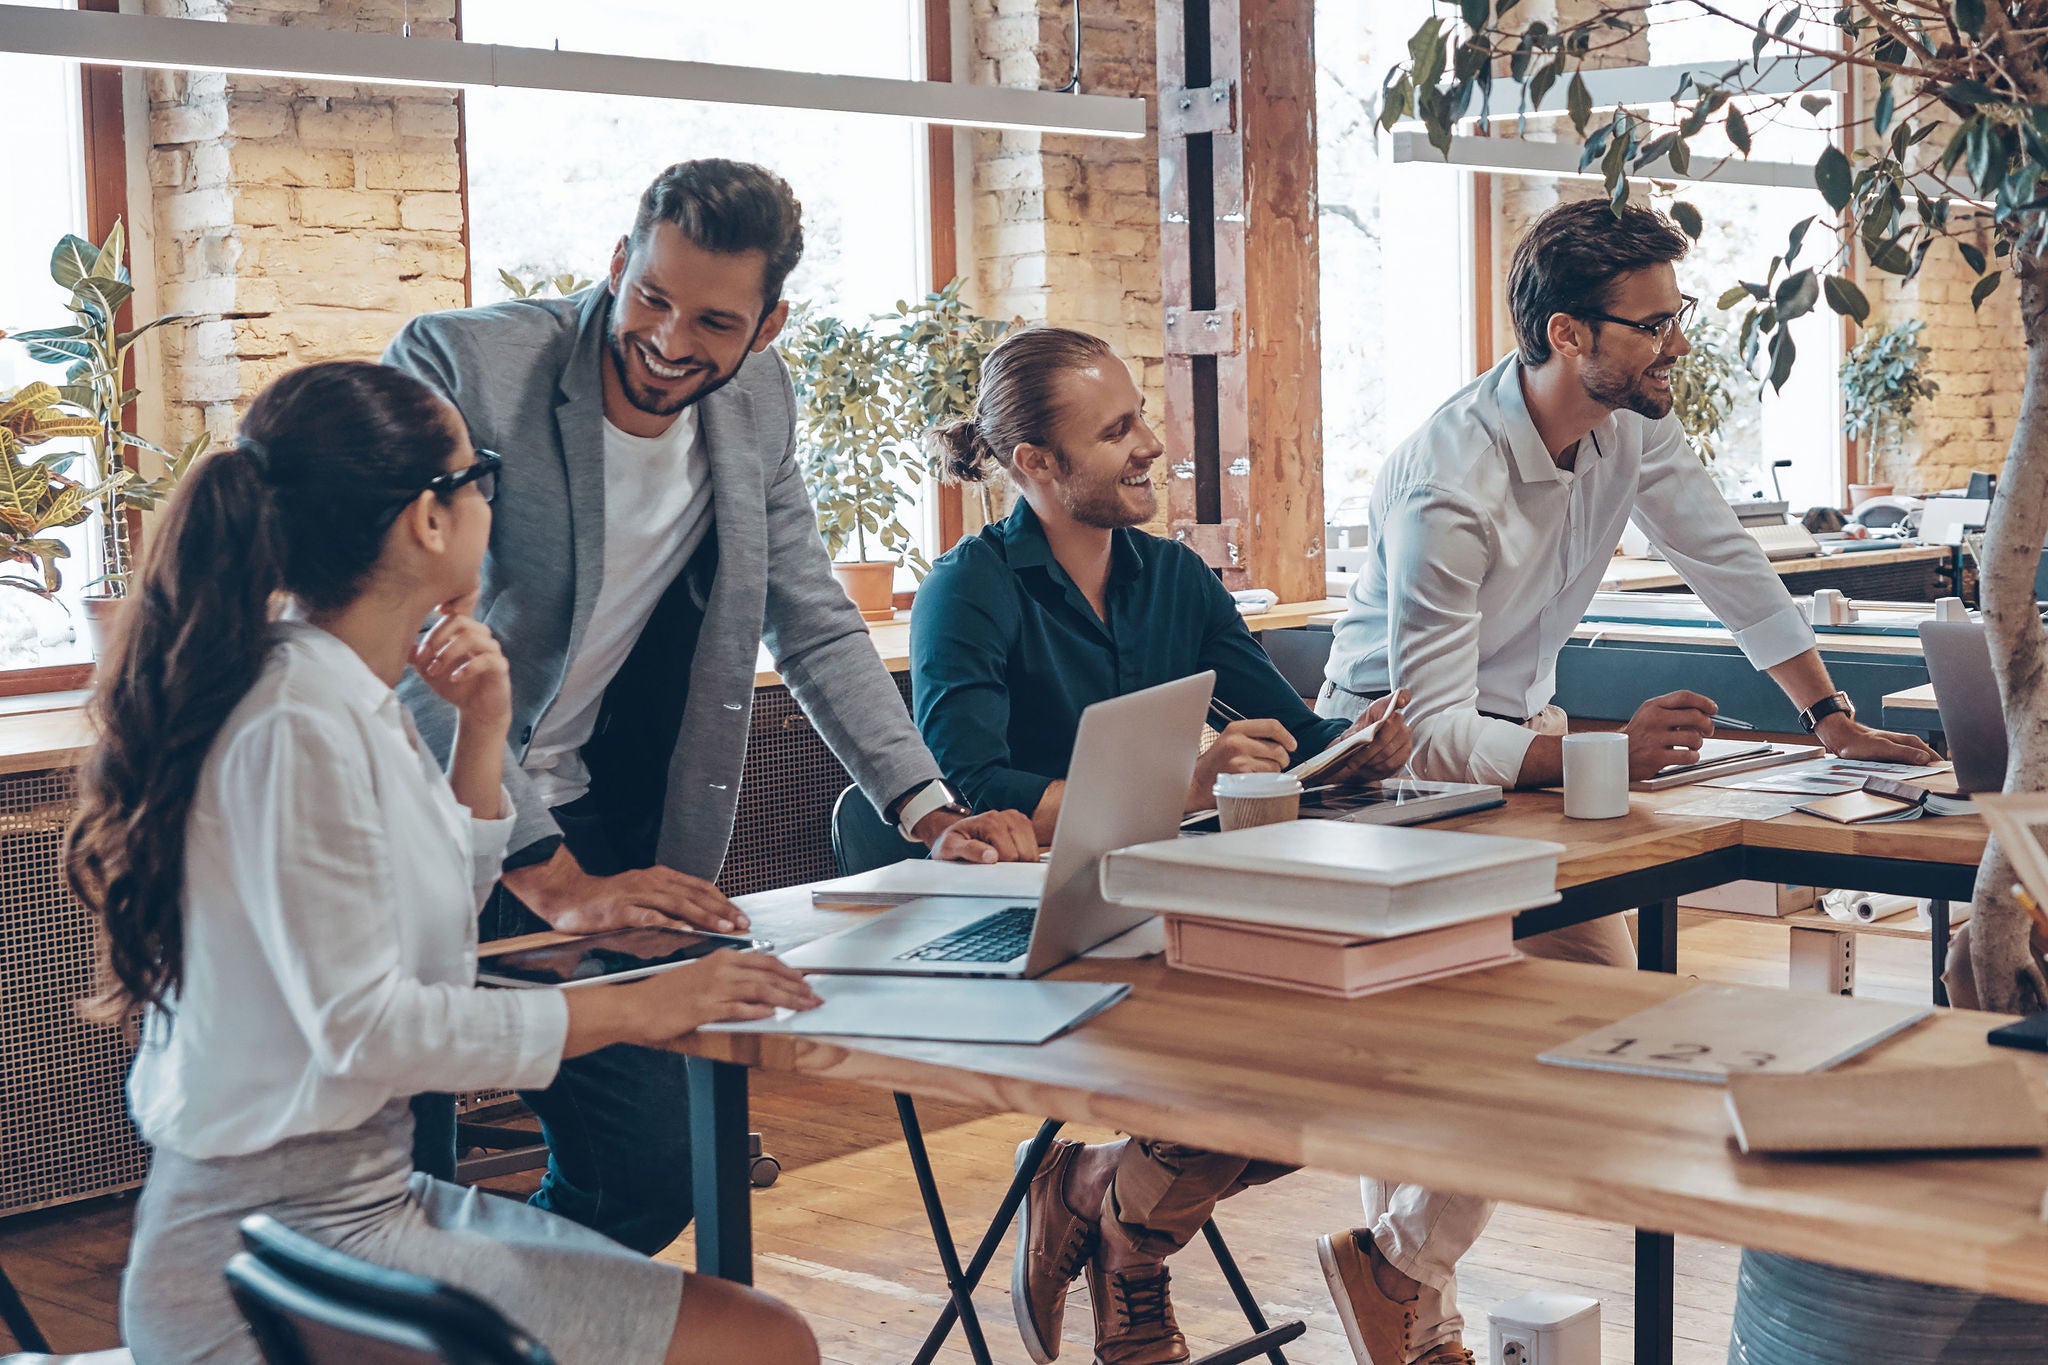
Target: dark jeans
x=616 y=1121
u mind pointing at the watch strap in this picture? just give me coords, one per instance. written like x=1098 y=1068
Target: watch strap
x=1836 y=704
x=922 y=802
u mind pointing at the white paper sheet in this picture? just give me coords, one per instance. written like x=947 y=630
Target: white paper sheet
x=945 y=1009
x=1822 y=776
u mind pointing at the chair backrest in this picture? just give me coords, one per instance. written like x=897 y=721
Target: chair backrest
x=862 y=840
x=310 y=1305
x=1301 y=654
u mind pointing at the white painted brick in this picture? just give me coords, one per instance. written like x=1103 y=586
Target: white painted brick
x=430 y=212
x=347 y=208
x=411 y=171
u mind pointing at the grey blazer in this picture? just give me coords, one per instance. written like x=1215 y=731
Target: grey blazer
x=525 y=377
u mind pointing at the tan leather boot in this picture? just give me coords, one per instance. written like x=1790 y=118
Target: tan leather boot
x=1053 y=1243
x=1376 y=1326
x=1133 y=1311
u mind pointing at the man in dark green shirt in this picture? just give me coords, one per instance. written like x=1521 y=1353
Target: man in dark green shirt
x=1017 y=631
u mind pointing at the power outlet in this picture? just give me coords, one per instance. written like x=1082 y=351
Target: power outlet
x=1517 y=1351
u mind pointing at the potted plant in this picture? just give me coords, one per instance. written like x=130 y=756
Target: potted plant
x=1703 y=387
x=1881 y=385
x=866 y=395
x=95 y=352
x=35 y=498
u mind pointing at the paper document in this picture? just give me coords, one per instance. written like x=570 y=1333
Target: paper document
x=912 y=878
x=942 y=1009
x=1725 y=803
x=1823 y=776
x=1710 y=1032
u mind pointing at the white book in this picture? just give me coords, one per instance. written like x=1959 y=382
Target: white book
x=1711 y=1032
x=1374 y=881
x=917 y=877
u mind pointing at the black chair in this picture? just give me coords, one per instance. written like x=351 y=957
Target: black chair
x=861 y=842
x=1300 y=653
x=310 y=1305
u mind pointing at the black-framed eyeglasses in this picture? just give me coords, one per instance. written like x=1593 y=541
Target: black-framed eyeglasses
x=483 y=473
x=1659 y=329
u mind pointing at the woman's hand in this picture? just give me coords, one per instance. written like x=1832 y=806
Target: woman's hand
x=460 y=660
x=724 y=986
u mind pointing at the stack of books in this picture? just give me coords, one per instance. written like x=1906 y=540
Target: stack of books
x=1337 y=909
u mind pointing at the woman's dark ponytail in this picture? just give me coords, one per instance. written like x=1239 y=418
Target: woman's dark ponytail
x=297 y=505
x=1014 y=404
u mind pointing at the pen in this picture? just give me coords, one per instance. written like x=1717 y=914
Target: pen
x=2034 y=912
x=1731 y=723
x=1218 y=708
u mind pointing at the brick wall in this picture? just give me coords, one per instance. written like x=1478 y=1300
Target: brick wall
x=298 y=220
x=1065 y=229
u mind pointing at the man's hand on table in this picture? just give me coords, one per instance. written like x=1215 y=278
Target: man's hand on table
x=573 y=901
x=1667 y=730
x=993 y=836
x=1849 y=738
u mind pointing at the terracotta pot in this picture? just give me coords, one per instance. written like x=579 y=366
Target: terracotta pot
x=100 y=615
x=872 y=588
x=1860 y=493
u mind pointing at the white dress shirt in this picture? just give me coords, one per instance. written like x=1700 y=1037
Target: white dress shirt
x=331 y=888
x=657 y=507
x=1485 y=555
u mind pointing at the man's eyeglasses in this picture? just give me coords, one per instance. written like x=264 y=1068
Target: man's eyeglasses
x=1660 y=328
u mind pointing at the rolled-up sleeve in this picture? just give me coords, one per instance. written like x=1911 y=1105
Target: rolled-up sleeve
x=1438 y=550
x=1683 y=513
x=960 y=630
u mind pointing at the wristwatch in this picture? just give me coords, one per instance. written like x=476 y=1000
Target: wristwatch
x=932 y=796
x=1838 y=704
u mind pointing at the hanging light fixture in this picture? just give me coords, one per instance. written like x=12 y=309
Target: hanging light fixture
x=142 y=40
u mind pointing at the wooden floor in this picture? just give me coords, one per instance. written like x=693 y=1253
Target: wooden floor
x=842 y=1234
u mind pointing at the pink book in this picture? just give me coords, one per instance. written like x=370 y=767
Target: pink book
x=1342 y=965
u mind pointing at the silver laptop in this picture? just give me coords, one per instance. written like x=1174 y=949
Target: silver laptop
x=1966 y=691
x=1133 y=759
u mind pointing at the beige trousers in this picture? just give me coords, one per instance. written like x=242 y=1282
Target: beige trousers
x=1423 y=1232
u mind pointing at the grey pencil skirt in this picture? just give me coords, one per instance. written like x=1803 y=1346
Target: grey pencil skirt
x=587 y=1299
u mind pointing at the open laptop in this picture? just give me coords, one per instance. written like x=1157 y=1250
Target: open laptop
x=1966 y=691
x=1133 y=759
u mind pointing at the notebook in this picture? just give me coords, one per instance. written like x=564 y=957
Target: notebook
x=1711 y=1031
x=942 y=1009
x=1979 y=1107
x=1861 y=808
x=1721 y=757
x=1375 y=881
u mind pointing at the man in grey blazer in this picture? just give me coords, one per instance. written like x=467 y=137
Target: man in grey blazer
x=650 y=531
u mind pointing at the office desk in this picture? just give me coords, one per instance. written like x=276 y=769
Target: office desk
x=1415 y=1085
x=1908 y=573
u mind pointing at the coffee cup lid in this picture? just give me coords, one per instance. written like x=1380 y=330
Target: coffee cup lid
x=1257 y=784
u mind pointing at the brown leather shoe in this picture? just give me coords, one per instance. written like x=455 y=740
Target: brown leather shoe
x=1053 y=1243
x=1445 y=1353
x=1133 y=1312
x=1376 y=1326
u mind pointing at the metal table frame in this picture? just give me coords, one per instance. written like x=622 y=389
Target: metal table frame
x=718 y=1090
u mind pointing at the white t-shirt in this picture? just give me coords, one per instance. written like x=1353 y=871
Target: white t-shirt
x=657 y=507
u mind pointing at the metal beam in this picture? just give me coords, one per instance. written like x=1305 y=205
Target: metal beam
x=1614 y=87
x=142 y=40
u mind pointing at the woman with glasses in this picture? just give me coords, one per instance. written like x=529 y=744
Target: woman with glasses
x=288 y=888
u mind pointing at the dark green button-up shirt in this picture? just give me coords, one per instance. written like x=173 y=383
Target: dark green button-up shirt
x=1005 y=654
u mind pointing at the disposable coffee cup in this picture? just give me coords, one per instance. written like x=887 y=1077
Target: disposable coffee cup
x=1596 y=775
x=1247 y=799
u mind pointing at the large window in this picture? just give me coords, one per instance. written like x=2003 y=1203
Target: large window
x=42 y=94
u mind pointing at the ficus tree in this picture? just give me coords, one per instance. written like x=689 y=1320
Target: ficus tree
x=1950 y=153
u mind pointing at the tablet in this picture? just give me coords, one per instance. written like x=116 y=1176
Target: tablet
x=616 y=955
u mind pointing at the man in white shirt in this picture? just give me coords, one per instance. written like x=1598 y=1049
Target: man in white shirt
x=651 y=531
x=1492 y=526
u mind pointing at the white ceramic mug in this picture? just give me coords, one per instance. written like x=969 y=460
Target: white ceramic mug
x=1247 y=799
x=1596 y=775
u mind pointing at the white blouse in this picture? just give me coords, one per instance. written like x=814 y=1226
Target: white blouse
x=332 y=883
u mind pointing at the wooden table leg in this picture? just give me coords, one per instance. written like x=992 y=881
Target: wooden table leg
x=718 y=1175
x=1656 y=1252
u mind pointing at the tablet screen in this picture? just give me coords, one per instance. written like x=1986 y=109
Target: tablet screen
x=600 y=955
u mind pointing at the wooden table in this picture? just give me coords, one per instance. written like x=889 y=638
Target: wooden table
x=1654 y=575
x=1439 y=1084
x=1913 y=710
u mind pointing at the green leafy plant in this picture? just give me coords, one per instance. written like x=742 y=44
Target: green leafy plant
x=1882 y=383
x=867 y=393
x=95 y=353
x=35 y=499
x=565 y=284
x=1703 y=386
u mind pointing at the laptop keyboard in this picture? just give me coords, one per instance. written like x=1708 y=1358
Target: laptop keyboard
x=992 y=938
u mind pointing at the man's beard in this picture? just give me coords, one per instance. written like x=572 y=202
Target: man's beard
x=1100 y=505
x=1612 y=387
x=652 y=401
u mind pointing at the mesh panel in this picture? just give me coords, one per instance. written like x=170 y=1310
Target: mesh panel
x=64 y=1128
x=782 y=831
